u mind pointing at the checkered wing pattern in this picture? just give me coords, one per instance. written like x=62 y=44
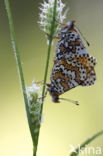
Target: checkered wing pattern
x=69 y=73
x=69 y=45
x=73 y=66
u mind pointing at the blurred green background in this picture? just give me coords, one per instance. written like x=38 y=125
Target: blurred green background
x=63 y=123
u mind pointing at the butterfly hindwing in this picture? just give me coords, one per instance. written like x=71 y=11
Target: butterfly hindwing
x=69 y=73
x=89 y=64
x=65 y=76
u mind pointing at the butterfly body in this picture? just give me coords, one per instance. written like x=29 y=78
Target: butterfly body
x=73 y=66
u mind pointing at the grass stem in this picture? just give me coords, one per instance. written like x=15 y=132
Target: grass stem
x=76 y=153
x=48 y=56
x=20 y=72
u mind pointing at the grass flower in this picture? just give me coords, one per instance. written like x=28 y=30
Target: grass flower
x=34 y=103
x=46 y=16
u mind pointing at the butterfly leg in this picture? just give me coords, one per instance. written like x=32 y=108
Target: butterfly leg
x=55 y=37
x=43 y=97
x=42 y=83
x=39 y=82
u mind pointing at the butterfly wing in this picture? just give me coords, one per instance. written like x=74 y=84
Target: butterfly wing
x=73 y=65
x=86 y=66
x=69 y=73
x=88 y=63
x=64 y=76
x=69 y=45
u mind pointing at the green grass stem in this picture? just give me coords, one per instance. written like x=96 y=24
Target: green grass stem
x=48 y=56
x=20 y=72
x=90 y=139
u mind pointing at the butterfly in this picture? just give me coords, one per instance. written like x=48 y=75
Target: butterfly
x=73 y=66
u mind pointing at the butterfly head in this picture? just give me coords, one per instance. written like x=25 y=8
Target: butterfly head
x=54 y=95
x=66 y=28
x=71 y=23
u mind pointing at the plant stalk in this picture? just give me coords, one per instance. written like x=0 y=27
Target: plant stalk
x=76 y=153
x=48 y=58
x=49 y=50
x=20 y=72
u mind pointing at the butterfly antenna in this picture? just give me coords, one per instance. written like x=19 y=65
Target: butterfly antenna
x=69 y=100
x=83 y=36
